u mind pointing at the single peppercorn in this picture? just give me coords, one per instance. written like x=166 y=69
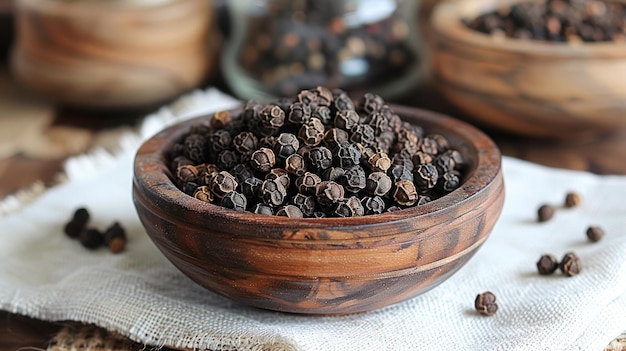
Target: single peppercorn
x=572 y=200
x=189 y=188
x=594 y=233
x=319 y=158
x=354 y=179
x=272 y=117
x=290 y=211
x=299 y=113
x=220 y=140
x=295 y=164
x=373 y=205
x=346 y=155
x=378 y=184
x=449 y=182
x=335 y=136
x=400 y=172
x=306 y=203
x=180 y=161
x=307 y=183
x=77 y=223
x=329 y=193
x=429 y=146
x=371 y=103
x=267 y=142
x=263 y=159
x=405 y=193
x=285 y=145
x=204 y=193
x=227 y=159
x=195 y=146
x=221 y=119
x=235 y=201
x=312 y=132
x=570 y=264
x=323 y=114
x=187 y=173
x=272 y=192
x=421 y=158
x=346 y=119
x=363 y=134
x=378 y=162
x=545 y=213
x=242 y=172
x=547 y=264
x=115 y=238
x=333 y=173
x=426 y=176
x=350 y=207
x=262 y=209
x=91 y=238
x=281 y=175
x=324 y=96
x=223 y=183
x=485 y=304
x=245 y=143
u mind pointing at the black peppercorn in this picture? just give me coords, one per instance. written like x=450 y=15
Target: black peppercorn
x=195 y=146
x=341 y=101
x=319 y=158
x=570 y=264
x=262 y=209
x=223 y=183
x=485 y=304
x=346 y=155
x=285 y=145
x=421 y=158
x=220 y=140
x=572 y=200
x=449 y=182
x=272 y=192
x=323 y=114
x=227 y=159
x=263 y=159
x=77 y=224
x=429 y=146
x=363 y=134
x=378 y=184
x=281 y=175
x=350 y=207
x=290 y=211
x=307 y=183
x=235 y=201
x=306 y=203
x=241 y=172
x=335 y=136
x=405 y=193
x=312 y=132
x=426 y=176
x=245 y=143
x=333 y=173
x=378 y=162
x=115 y=238
x=547 y=264
x=324 y=96
x=545 y=213
x=594 y=233
x=221 y=119
x=267 y=142
x=373 y=205
x=400 y=172
x=295 y=164
x=204 y=193
x=189 y=188
x=180 y=161
x=272 y=117
x=329 y=193
x=91 y=238
x=299 y=113
x=187 y=173
x=354 y=179
x=346 y=119
x=371 y=103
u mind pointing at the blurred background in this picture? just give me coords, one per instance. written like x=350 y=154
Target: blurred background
x=74 y=73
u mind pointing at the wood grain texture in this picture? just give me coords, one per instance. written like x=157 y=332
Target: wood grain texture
x=112 y=54
x=330 y=265
x=527 y=87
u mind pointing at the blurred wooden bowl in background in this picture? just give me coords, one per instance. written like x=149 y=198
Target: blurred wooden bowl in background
x=112 y=54
x=527 y=87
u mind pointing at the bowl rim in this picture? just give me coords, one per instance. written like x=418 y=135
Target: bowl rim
x=446 y=21
x=150 y=178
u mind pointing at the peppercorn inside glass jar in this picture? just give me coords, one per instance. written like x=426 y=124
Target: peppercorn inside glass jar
x=280 y=47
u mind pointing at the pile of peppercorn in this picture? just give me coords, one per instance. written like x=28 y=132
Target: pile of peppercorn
x=557 y=21
x=318 y=155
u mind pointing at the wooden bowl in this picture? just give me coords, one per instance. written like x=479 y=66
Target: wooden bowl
x=527 y=87
x=112 y=54
x=327 y=265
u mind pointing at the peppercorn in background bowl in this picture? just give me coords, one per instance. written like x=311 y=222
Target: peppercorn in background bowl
x=564 y=90
x=322 y=265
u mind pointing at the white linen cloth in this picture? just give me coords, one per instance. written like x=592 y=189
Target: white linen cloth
x=138 y=293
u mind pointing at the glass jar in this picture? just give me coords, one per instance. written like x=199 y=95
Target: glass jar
x=279 y=47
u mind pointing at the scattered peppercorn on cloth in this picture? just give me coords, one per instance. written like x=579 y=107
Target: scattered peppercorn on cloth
x=139 y=294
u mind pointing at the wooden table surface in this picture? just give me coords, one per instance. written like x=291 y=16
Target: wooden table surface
x=19 y=168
